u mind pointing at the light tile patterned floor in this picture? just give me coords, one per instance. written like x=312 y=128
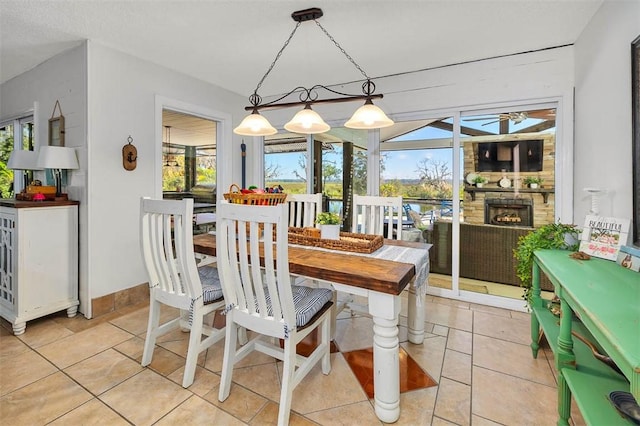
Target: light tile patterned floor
x=72 y=371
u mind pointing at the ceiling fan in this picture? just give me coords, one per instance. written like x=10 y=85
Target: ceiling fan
x=518 y=117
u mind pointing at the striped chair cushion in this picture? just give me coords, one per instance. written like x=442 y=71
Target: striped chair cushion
x=211 y=288
x=307 y=301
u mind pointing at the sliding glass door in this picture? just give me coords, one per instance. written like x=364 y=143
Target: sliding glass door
x=509 y=190
x=474 y=202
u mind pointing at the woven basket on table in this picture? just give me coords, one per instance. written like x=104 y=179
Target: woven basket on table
x=268 y=199
x=357 y=243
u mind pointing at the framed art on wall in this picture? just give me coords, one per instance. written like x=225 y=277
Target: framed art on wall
x=635 y=108
x=56 y=127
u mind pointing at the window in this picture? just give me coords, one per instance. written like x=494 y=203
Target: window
x=14 y=134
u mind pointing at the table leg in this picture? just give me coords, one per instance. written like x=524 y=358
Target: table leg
x=565 y=358
x=536 y=301
x=415 y=321
x=385 y=309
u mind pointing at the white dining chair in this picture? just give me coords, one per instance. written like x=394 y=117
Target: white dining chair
x=166 y=242
x=378 y=216
x=303 y=209
x=372 y=215
x=260 y=297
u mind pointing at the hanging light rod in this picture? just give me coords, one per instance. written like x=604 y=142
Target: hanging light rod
x=309 y=96
x=308 y=121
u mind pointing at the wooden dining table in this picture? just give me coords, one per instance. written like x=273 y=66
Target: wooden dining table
x=379 y=280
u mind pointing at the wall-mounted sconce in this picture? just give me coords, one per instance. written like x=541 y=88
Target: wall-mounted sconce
x=129 y=155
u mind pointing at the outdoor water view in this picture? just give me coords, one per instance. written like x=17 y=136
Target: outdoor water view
x=419 y=169
x=423 y=178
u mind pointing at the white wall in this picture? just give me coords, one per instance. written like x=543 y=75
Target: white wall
x=61 y=78
x=106 y=96
x=122 y=98
x=603 y=129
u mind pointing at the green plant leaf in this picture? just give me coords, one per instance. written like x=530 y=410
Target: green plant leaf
x=327 y=218
x=551 y=236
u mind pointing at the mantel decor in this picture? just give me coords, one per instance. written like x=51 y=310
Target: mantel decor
x=56 y=126
x=308 y=121
x=543 y=191
x=635 y=100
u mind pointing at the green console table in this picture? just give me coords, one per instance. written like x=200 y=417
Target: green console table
x=599 y=300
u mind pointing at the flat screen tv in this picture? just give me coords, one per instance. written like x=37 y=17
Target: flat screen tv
x=498 y=156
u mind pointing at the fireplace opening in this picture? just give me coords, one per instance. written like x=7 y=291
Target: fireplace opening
x=508 y=212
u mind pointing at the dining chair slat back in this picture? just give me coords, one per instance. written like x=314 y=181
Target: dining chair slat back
x=253 y=259
x=166 y=243
x=303 y=209
x=378 y=216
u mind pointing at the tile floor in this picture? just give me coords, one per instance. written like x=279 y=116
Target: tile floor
x=73 y=371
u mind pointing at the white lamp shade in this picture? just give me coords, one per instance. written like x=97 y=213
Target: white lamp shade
x=255 y=125
x=368 y=116
x=57 y=157
x=21 y=159
x=307 y=122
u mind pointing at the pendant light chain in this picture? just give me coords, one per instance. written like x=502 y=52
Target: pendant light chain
x=286 y=43
x=342 y=50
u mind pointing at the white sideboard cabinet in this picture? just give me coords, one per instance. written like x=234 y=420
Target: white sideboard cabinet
x=38 y=260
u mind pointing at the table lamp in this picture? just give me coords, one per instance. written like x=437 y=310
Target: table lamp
x=57 y=158
x=22 y=159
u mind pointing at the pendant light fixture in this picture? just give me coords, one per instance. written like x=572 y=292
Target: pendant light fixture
x=169 y=160
x=308 y=121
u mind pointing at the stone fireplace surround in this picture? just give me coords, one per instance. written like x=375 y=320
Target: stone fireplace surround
x=543 y=199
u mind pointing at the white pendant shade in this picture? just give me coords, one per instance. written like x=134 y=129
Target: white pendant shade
x=368 y=116
x=255 y=125
x=307 y=122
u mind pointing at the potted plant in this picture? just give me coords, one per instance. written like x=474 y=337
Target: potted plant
x=551 y=236
x=479 y=180
x=532 y=181
x=329 y=225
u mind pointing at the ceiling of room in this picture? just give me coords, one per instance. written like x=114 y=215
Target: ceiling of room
x=232 y=43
